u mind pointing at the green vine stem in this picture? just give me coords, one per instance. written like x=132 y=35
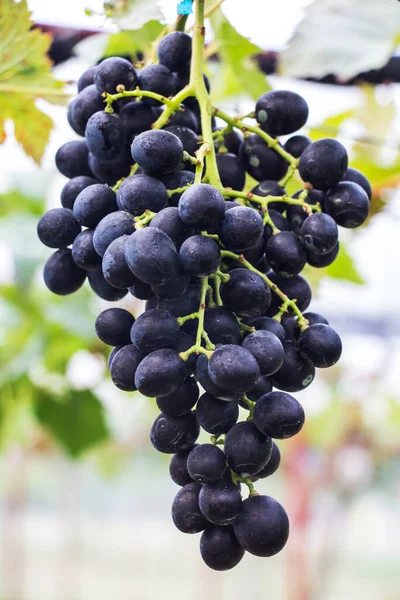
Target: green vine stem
x=247 y=481
x=137 y=93
x=144 y=219
x=217 y=288
x=290 y=172
x=271 y=142
x=201 y=334
x=265 y=200
x=198 y=85
x=303 y=323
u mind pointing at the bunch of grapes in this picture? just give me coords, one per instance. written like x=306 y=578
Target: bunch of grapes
x=155 y=207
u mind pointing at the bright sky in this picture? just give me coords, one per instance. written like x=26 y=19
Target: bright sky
x=271 y=31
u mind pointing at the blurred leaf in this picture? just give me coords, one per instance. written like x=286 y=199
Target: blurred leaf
x=377 y=119
x=133 y=14
x=239 y=74
x=331 y=126
x=25 y=74
x=32 y=127
x=76 y=421
x=333 y=36
x=344 y=267
x=16 y=202
x=131 y=42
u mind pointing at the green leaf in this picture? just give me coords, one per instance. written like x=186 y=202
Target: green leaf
x=133 y=14
x=377 y=119
x=77 y=420
x=238 y=74
x=342 y=37
x=25 y=75
x=331 y=126
x=15 y=201
x=131 y=42
x=344 y=267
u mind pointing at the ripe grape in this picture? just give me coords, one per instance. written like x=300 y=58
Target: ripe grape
x=247 y=450
x=115 y=269
x=241 y=228
x=83 y=252
x=124 y=366
x=61 y=275
x=157 y=152
x=267 y=349
x=151 y=255
x=72 y=159
x=220 y=549
x=113 y=326
x=278 y=415
x=175 y=51
x=206 y=464
x=159 y=79
x=174 y=434
x=280 y=112
x=58 y=228
x=246 y=293
x=320 y=344
x=200 y=255
x=181 y=401
x=262 y=526
x=202 y=207
x=72 y=189
x=160 y=373
x=105 y=135
x=93 y=204
x=214 y=415
x=140 y=193
x=220 y=501
x=323 y=163
x=178 y=467
x=348 y=204
x=154 y=329
x=186 y=513
x=112 y=72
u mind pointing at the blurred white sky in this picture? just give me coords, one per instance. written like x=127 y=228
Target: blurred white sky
x=271 y=31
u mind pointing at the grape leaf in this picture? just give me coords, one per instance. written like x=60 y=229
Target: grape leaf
x=25 y=75
x=133 y=14
x=131 y=42
x=344 y=267
x=240 y=74
x=76 y=420
x=334 y=35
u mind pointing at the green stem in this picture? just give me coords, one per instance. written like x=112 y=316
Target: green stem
x=178 y=190
x=173 y=106
x=217 y=287
x=265 y=200
x=246 y=480
x=197 y=347
x=180 y=23
x=198 y=86
x=138 y=93
x=144 y=219
x=290 y=172
x=270 y=141
x=303 y=323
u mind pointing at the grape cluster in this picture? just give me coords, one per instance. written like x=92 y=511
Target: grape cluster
x=224 y=324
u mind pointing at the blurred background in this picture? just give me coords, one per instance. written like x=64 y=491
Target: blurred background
x=84 y=499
